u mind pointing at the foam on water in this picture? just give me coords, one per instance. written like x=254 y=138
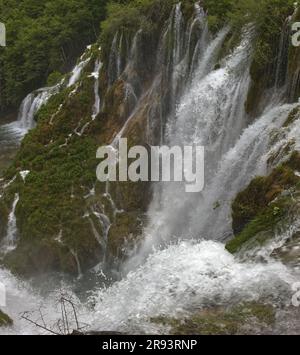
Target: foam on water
x=172 y=282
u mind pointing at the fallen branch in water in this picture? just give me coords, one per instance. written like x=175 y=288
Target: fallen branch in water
x=67 y=324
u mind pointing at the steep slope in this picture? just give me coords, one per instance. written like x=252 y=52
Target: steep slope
x=184 y=77
x=79 y=221
x=67 y=221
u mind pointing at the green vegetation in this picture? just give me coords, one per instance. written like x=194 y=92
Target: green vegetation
x=52 y=199
x=258 y=209
x=132 y=15
x=260 y=192
x=239 y=319
x=43 y=37
x=52 y=211
x=5 y=320
x=269 y=17
x=293 y=116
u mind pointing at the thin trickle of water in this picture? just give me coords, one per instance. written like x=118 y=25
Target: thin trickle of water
x=80 y=129
x=76 y=72
x=178 y=33
x=116 y=62
x=97 y=236
x=97 y=104
x=105 y=223
x=282 y=60
x=79 y=270
x=9 y=242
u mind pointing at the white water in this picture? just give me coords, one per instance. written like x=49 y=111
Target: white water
x=184 y=277
x=9 y=242
x=189 y=274
x=76 y=72
x=177 y=280
x=97 y=104
x=30 y=106
x=210 y=113
x=15 y=131
x=21 y=297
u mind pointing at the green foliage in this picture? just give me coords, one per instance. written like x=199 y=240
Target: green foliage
x=135 y=14
x=262 y=227
x=131 y=15
x=54 y=78
x=221 y=321
x=60 y=176
x=43 y=37
x=260 y=192
x=258 y=209
x=5 y=320
x=218 y=12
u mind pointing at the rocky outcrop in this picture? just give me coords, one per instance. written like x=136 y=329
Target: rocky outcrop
x=267 y=205
x=270 y=204
x=67 y=220
x=5 y=320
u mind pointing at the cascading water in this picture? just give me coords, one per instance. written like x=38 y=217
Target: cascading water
x=12 y=133
x=97 y=104
x=175 y=270
x=210 y=113
x=9 y=242
x=75 y=75
x=31 y=104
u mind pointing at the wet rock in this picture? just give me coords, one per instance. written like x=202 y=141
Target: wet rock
x=5 y=320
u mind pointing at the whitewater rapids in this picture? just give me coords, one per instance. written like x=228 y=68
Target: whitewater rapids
x=184 y=277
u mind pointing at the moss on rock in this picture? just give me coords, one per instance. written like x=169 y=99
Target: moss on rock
x=5 y=320
x=261 y=191
x=240 y=319
x=124 y=233
x=258 y=209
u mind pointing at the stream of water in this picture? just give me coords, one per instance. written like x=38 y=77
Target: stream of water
x=182 y=263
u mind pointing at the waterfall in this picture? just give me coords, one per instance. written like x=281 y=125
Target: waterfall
x=9 y=242
x=105 y=224
x=282 y=60
x=118 y=56
x=178 y=33
x=211 y=113
x=97 y=104
x=174 y=56
x=75 y=255
x=23 y=117
x=76 y=72
x=30 y=106
x=184 y=277
x=181 y=264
